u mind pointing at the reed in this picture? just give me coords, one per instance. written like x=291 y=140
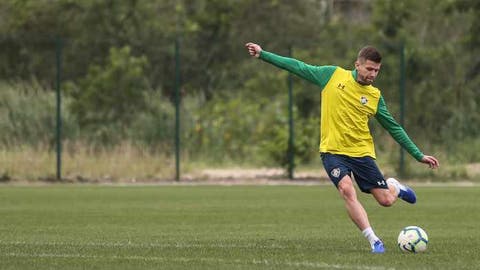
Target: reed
x=81 y=162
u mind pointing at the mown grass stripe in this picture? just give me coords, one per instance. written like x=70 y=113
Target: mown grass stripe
x=305 y=264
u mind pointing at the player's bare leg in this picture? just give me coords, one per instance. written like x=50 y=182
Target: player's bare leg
x=385 y=197
x=355 y=210
x=357 y=213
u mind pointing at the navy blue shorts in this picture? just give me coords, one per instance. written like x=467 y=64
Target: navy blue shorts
x=364 y=170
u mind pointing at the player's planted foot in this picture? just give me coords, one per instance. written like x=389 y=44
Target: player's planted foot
x=404 y=192
x=378 y=247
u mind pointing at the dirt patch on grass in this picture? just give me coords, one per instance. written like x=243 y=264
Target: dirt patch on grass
x=473 y=169
x=255 y=176
x=271 y=176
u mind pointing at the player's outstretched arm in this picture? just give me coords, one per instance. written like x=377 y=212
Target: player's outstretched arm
x=431 y=161
x=253 y=49
x=315 y=74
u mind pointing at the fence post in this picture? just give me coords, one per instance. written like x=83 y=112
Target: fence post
x=291 y=141
x=402 y=105
x=58 y=56
x=177 y=109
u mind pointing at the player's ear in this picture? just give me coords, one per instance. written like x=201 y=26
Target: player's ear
x=357 y=64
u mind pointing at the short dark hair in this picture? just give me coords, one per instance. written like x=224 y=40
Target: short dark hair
x=370 y=53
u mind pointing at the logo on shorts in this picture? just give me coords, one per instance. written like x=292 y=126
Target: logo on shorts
x=335 y=172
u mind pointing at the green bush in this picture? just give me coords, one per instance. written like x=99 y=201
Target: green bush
x=28 y=115
x=228 y=129
x=107 y=100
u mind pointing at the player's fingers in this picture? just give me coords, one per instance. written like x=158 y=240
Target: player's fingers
x=433 y=162
x=250 y=46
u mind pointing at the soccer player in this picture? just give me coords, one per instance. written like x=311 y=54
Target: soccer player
x=346 y=145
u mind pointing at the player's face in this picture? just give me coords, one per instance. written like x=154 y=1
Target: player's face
x=367 y=71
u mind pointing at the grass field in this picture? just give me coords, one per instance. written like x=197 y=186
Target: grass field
x=226 y=227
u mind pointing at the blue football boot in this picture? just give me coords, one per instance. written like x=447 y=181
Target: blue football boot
x=378 y=247
x=404 y=192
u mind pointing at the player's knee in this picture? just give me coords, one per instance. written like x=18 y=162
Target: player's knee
x=386 y=201
x=347 y=191
x=383 y=197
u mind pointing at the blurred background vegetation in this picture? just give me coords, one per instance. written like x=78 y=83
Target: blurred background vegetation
x=118 y=76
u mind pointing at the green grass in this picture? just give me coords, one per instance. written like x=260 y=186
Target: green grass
x=220 y=227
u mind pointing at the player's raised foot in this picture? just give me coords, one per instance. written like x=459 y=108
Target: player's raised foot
x=408 y=195
x=378 y=247
x=404 y=192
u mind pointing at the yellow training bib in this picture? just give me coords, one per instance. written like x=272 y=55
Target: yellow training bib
x=346 y=107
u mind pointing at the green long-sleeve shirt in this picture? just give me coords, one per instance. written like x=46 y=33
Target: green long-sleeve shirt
x=345 y=113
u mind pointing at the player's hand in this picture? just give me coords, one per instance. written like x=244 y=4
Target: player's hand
x=253 y=49
x=431 y=161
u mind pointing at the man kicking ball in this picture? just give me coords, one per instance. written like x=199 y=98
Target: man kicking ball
x=346 y=145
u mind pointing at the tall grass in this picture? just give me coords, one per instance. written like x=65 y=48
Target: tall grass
x=84 y=163
x=232 y=131
x=27 y=142
x=27 y=113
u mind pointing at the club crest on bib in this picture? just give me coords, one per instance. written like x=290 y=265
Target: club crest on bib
x=363 y=100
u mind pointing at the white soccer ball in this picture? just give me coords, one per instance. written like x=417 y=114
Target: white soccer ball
x=413 y=239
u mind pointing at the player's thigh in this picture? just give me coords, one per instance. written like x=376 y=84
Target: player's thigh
x=367 y=174
x=336 y=167
x=383 y=196
x=346 y=189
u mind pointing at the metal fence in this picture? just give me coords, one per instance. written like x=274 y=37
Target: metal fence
x=52 y=62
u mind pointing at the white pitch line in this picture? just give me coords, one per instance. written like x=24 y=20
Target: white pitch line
x=140 y=245
x=305 y=264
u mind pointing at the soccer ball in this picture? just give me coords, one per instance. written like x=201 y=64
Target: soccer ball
x=412 y=239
